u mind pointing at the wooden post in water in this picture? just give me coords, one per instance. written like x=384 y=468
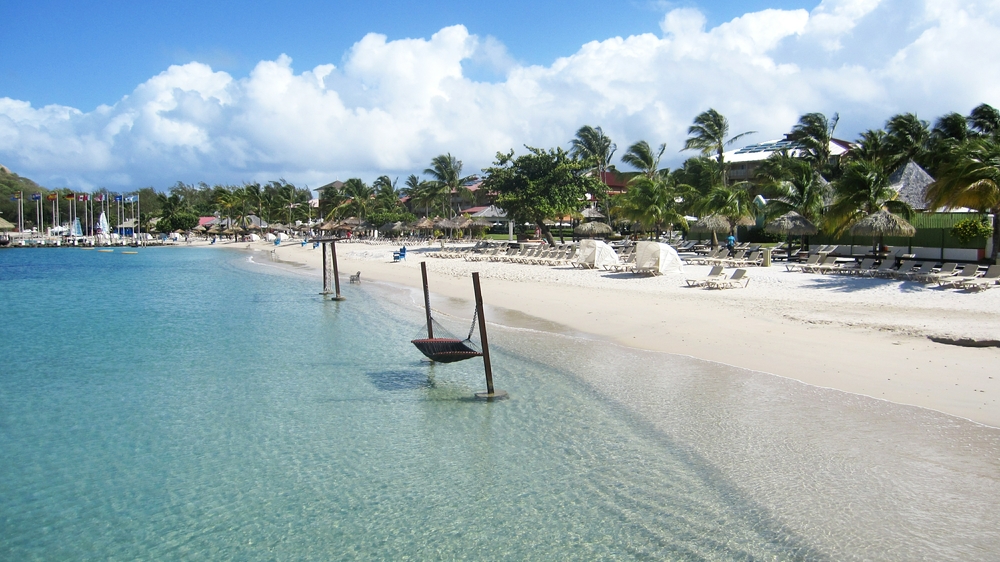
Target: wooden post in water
x=427 y=300
x=491 y=393
x=336 y=272
x=326 y=271
x=332 y=245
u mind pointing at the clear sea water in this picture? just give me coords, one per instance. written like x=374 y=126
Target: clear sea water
x=202 y=404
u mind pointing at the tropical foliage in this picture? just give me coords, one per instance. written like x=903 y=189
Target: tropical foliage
x=539 y=185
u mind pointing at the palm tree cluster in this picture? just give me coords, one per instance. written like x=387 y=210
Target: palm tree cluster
x=834 y=193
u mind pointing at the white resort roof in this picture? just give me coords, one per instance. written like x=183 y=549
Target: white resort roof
x=763 y=150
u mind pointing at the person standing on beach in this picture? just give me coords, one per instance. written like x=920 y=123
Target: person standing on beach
x=731 y=243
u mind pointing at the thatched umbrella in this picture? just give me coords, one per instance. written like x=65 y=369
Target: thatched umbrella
x=591 y=213
x=329 y=225
x=791 y=224
x=424 y=224
x=199 y=228
x=711 y=223
x=882 y=224
x=719 y=223
x=391 y=227
x=592 y=229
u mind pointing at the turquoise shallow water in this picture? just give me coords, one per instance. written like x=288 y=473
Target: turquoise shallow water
x=186 y=403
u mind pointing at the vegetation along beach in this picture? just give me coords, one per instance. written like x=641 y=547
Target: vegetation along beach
x=259 y=313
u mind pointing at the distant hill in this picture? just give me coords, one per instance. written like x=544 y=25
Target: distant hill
x=10 y=184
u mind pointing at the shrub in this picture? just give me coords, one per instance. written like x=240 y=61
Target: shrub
x=967 y=230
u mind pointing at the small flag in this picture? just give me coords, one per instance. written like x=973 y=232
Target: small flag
x=130 y=199
x=52 y=196
x=118 y=198
x=70 y=196
x=82 y=197
x=99 y=197
x=36 y=196
x=15 y=196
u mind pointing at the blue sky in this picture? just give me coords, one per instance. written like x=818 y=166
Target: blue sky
x=87 y=53
x=124 y=94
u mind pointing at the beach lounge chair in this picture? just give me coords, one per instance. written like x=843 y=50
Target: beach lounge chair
x=924 y=269
x=813 y=260
x=356 y=278
x=737 y=279
x=899 y=273
x=988 y=280
x=826 y=262
x=399 y=255
x=865 y=265
x=969 y=271
x=883 y=268
x=715 y=274
x=947 y=270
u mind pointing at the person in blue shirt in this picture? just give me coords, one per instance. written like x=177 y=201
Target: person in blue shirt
x=731 y=243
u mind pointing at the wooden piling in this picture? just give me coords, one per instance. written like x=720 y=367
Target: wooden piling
x=427 y=300
x=491 y=393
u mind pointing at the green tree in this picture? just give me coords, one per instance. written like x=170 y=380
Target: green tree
x=862 y=190
x=906 y=138
x=984 y=119
x=446 y=174
x=814 y=132
x=359 y=199
x=791 y=184
x=538 y=185
x=650 y=202
x=710 y=134
x=971 y=178
x=593 y=147
x=642 y=157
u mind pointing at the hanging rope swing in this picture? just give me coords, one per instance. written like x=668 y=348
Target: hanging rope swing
x=444 y=350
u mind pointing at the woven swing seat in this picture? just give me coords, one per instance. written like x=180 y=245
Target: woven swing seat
x=446 y=350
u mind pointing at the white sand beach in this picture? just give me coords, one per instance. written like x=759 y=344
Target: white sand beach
x=859 y=335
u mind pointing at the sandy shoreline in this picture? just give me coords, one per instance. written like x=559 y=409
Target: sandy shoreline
x=864 y=336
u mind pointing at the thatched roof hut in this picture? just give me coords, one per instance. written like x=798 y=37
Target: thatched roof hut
x=791 y=223
x=593 y=229
x=883 y=223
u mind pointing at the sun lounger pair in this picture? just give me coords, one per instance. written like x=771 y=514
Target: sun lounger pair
x=969 y=271
x=713 y=275
x=813 y=260
x=738 y=279
x=988 y=280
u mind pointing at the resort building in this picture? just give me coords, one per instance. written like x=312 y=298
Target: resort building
x=744 y=161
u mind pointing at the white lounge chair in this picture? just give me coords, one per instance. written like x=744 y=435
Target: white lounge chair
x=737 y=279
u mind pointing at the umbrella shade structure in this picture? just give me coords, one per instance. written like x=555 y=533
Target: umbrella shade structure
x=719 y=223
x=215 y=230
x=5 y=224
x=329 y=225
x=424 y=224
x=711 y=223
x=482 y=223
x=883 y=223
x=593 y=229
x=391 y=227
x=591 y=213
x=199 y=228
x=461 y=222
x=791 y=223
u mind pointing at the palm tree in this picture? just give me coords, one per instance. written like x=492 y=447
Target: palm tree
x=651 y=202
x=642 y=157
x=814 y=132
x=359 y=198
x=791 y=184
x=971 y=178
x=446 y=171
x=906 y=138
x=593 y=146
x=386 y=194
x=709 y=135
x=863 y=190
x=984 y=119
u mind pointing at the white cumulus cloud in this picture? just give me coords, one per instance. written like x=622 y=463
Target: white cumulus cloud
x=392 y=105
